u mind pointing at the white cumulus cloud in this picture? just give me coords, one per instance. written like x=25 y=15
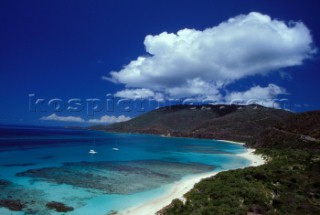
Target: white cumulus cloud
x=139 y=94
x=106 y=119
x=55 y=117
x=258 y=95
x=110 y=119
x=193 y=63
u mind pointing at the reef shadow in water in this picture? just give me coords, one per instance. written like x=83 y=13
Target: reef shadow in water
x=19 y=165
x=117 y=177
x=30 y=201
x=46 y=157
x=18 y=198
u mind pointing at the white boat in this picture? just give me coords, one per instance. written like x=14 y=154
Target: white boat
x=116 y=148
x=92 y=151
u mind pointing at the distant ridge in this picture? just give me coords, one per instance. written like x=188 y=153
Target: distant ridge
x=232 y=122
x=300 y=130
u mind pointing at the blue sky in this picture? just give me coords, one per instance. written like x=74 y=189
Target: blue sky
x=62 y=50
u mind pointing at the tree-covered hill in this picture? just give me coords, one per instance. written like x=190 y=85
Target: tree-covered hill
x=232 y=122
x=289 y=183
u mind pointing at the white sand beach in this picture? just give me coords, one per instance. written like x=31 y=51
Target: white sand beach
x=234 y=142
x=181 y=187
x=256 y=160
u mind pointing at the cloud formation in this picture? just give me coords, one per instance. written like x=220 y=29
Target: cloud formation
x=139 y=94
x=110 y=119
x=55 y=117
x=103 y=120
x=195 y=63
x=258 y=95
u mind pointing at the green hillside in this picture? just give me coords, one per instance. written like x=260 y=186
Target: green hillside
x=289 y=183
x=232 y=122
x=296 y=131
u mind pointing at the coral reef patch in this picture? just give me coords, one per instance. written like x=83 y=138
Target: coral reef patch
x=125 y=177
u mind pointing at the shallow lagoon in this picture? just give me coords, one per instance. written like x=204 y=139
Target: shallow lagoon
x=53 y=164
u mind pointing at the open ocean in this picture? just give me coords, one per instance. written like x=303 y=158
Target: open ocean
x=43 y=164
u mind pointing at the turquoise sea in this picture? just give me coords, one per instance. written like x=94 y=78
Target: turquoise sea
x=44 y=164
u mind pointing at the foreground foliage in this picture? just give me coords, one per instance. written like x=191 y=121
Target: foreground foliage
x=288 y=184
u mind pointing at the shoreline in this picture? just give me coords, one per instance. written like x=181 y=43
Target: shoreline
x=230 y=141
x=183 y=186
